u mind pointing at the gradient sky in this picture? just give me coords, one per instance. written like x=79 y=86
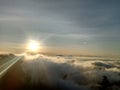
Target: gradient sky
x=64 y=26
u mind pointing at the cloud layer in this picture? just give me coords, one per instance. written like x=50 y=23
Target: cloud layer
x=76 y=20
x=72 y=73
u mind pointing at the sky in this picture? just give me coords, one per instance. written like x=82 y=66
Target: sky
x=84 y=27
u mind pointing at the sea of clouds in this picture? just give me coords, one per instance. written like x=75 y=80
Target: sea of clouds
x=72 y=72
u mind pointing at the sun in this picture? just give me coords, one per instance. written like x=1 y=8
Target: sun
x=33 y=46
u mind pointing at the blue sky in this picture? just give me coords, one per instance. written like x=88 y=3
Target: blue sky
x=75 y=26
